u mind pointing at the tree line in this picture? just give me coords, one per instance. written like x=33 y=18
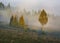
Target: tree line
x=43 y=19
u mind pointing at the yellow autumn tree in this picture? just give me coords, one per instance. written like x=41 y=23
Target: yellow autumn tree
x=43 y=19
x=21 y=21
x=13 y=21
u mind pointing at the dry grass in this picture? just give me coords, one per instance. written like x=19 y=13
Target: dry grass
x=13 y=36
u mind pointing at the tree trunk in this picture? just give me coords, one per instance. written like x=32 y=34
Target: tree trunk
x=42 y=29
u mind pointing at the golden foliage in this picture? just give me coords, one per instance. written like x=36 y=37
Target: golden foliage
x=43 y=19
x=13 y=21
x=21 y=21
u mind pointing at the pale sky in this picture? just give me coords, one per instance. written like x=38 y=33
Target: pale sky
x=51 y=6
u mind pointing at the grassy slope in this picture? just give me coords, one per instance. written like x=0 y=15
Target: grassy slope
x=19 y=35
x=13 y=36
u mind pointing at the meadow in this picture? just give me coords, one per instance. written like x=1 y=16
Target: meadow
x=19 y=35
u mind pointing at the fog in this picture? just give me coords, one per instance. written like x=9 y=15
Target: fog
x=31 y=18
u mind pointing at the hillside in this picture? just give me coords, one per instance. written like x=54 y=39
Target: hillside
x=10 y=34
